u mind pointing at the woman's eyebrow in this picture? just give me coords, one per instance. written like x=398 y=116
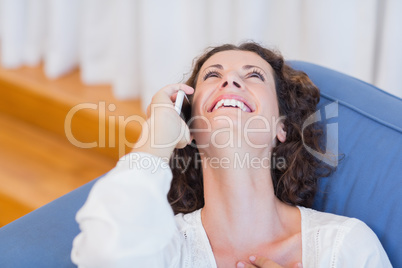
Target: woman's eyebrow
x=218 y=66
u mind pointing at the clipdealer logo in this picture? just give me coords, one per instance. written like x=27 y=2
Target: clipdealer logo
x=122 y=123
x=330 y=156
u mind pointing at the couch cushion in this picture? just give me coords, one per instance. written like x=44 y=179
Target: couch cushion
x=368 y=181
x=43 y=238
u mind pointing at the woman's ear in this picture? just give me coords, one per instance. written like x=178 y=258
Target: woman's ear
x=280 y=132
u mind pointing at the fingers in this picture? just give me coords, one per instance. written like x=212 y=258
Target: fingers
x=185 y=140
x=244 y=265
x=258 y=262
x=264 y=262
x=166 y=128
x=171 y=90
x=167 y=95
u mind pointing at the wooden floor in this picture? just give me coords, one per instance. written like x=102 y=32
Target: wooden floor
x=37 y=162
x=36 y=167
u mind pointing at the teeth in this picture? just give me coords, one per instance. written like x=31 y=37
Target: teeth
x=219 y=104
x=240 y=104
x=232 y=103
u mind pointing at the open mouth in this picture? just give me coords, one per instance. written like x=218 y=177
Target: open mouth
x=230 y=102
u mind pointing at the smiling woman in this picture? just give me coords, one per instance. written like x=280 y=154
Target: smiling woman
x=244 y=103
x=268 y=74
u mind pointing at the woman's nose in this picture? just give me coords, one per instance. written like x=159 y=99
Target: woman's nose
x=231 y=81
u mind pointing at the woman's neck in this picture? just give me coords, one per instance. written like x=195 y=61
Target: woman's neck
x=241 y=209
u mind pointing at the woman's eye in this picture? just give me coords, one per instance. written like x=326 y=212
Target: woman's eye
x=210 y=74
x=257 y=74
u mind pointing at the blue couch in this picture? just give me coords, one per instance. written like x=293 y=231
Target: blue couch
x=367 y=184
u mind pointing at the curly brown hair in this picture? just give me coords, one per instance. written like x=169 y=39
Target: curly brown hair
x=297 y=96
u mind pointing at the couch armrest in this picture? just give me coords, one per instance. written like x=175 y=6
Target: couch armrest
x=43 y=238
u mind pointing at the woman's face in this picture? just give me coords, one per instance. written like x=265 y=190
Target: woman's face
x=235 y=91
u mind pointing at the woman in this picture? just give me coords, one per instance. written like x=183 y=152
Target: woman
x=239 y=191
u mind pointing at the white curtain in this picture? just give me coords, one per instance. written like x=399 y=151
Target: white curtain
x=140 y=46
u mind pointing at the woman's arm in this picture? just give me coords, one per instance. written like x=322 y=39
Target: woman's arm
x=127 y=220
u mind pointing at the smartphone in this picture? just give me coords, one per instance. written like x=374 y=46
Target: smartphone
x=179 y=101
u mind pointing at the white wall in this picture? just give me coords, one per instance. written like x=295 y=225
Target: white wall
x=140 y=46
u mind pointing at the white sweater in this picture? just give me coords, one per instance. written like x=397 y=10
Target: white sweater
x=128 y=222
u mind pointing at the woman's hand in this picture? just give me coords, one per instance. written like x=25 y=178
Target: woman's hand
x=164 y=129
x=262 y=262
